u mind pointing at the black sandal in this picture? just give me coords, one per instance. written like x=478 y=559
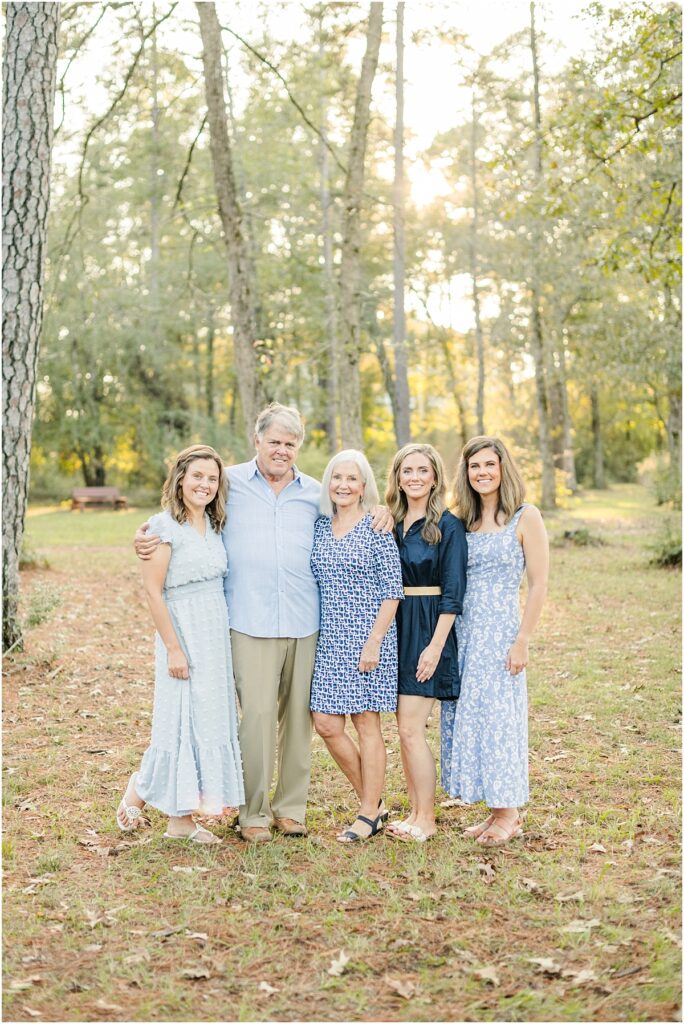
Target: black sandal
x=349 y=836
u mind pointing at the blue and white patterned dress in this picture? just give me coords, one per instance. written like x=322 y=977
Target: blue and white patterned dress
x=193 y=762
x=355 y=574
x=484 y=735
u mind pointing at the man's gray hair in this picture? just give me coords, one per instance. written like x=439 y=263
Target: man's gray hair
x=370 y=494
x=286 y=416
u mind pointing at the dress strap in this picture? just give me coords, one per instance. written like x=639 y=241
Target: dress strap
x=517 y=514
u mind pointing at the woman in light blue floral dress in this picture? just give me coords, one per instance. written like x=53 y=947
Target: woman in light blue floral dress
x=193 y=762
x=359 y=576
x=484 y=736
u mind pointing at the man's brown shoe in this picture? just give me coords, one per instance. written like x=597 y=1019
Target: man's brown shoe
x=289 y=827
x=256 y=834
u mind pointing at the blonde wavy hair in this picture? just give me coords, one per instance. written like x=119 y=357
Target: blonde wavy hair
x=396 y=499
x=172 y=491
x=511 y=490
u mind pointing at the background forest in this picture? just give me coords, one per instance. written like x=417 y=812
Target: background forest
x=519 y=273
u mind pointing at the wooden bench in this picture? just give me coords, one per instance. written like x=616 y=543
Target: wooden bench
x=83 y=496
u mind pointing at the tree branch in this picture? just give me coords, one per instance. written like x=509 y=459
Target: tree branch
x=293 y=100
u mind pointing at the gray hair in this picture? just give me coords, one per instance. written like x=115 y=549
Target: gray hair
x=287 y=416
x=370 y=494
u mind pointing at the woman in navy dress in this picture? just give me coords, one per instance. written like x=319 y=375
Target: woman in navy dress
x=434 y=554
x=355 y=672
x=484 y=738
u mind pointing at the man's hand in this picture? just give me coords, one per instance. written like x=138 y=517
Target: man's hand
x=382 y=519
x=144 y=545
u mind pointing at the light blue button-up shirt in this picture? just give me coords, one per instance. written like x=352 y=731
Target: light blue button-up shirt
x=270 y=589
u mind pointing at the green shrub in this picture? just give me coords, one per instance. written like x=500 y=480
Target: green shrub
x=667 y=549
x=31 y=559
x=42 y=602
x=582 y=538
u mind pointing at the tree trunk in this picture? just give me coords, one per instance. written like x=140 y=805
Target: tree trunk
x=155 y=199
x=243 y=313
x=209 y=388
x=474 y=268
x=673 y=424
x=402 y=409
x=241 y=192
x=548 y=481
x=599 y=475
x=330 y=381
x=453 y=386
x=568 y=464
x=28 y=95
x=350 y=269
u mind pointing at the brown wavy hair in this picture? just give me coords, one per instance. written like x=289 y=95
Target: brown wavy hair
x=172 y=491
x=511 y=489
x=397 y=501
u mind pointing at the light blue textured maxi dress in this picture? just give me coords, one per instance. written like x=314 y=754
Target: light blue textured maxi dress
x=193 y=761
x=484 y=734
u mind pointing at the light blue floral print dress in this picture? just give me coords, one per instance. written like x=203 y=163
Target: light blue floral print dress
x=484 y=734
x=193 y=762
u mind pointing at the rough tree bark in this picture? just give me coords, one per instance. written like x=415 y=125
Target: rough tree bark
x=243 y=313
x=330 y=379
x=28 y=96
x=548 y=481
x=474 y=265
x=401 y=404
x=350 y=270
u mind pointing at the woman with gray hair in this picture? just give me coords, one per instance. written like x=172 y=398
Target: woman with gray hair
x=359 y=576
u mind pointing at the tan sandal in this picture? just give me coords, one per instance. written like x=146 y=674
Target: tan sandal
x=476 y=830
x=510 y=828
x=198 y=835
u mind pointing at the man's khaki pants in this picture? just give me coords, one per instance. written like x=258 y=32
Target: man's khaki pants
x=273 y=682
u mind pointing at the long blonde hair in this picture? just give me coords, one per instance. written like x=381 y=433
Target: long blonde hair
x=172 y=491
x=511 y=490
x=397 y=501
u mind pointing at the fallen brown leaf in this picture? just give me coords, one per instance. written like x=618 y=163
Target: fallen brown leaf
x=546 y=965
x=269 y=990
x=404 y=987
x=487 y=974
x=337 y=967
x=579 y=925
x=196 y=973
x=487 y=871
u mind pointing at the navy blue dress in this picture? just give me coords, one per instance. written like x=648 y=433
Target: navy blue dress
x=431 y=565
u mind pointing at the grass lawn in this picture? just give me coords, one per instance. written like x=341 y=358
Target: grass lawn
x=578 y=920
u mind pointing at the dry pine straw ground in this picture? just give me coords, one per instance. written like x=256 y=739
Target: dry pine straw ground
x=576 y=921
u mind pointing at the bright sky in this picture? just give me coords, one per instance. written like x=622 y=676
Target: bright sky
x=434 y=98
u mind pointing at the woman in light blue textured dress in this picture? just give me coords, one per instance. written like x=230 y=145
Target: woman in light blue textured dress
x=193 y=761
x=484 y=735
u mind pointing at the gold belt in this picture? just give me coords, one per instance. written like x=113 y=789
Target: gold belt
x=422 y=591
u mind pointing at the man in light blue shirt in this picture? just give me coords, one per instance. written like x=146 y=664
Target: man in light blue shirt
x=274 y=610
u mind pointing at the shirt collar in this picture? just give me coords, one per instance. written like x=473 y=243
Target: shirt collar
x=255 y=471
